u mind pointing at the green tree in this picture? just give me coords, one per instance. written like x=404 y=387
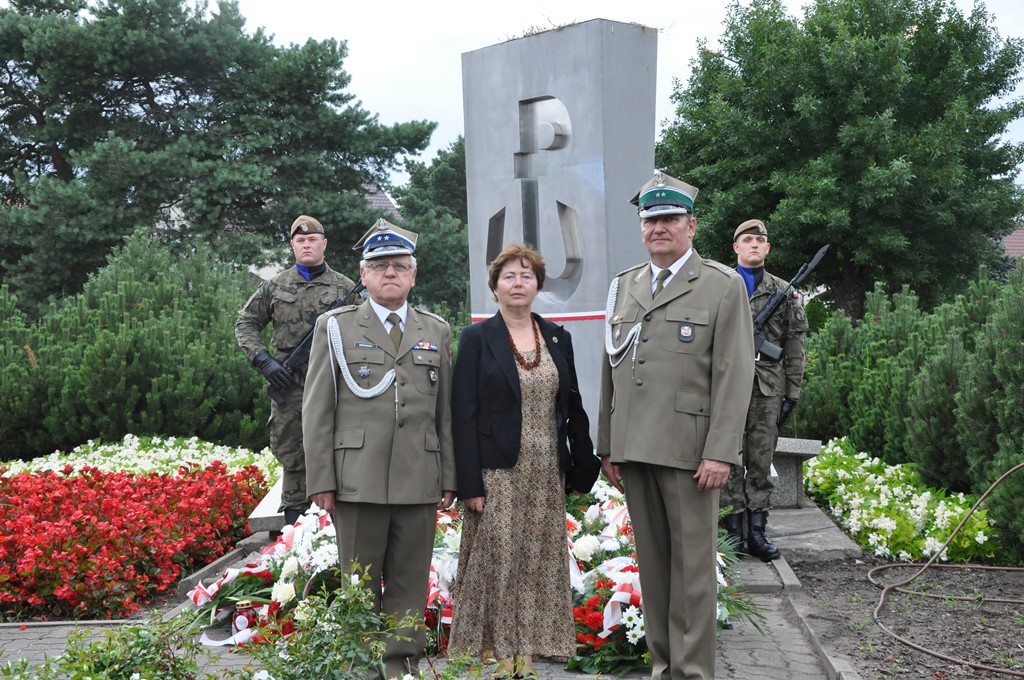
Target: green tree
x=165 y=115
x=873 y=125
x=433 y=204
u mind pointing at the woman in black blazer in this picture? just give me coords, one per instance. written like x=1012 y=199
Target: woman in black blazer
x=522 y=442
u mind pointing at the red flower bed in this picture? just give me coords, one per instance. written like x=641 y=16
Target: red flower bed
x=98 y=544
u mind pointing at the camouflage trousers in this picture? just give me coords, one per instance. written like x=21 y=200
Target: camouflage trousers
x=286 y=445
x=750 y=484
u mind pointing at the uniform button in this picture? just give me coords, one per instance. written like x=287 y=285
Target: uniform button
x=641 y=360
x=647 y=317
x=701 y=409
x=639 y=381
x=644 y=339
x=398 y=363
x=401 y=423
x=402 y=382
x=402 y=403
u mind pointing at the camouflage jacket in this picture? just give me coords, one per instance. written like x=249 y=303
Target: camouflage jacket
x=785 y=329
x=292 y=305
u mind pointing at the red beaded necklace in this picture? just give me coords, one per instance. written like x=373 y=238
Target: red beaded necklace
x=533 y=363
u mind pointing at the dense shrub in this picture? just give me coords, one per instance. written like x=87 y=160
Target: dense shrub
x=930 y=432
x=147 y=347
x=990 y=401
x=20 y=384
x=890 y=380
x=828 y=379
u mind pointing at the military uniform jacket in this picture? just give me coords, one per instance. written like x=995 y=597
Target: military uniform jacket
x=292 y=304
x=684 y=395
x=785 y=329
x=395 y=448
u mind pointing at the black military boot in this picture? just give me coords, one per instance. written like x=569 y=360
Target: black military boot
x=733 y=524
x=758 y=544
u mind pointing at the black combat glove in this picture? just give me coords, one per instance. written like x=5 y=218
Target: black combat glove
x=276 y=373
x=787 y=407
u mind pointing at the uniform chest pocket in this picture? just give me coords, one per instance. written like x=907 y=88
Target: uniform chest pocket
x=689 y=330
x=366 y=364
x=281 y=295
x=283 y=299
x=426 y=370
x=327 y=296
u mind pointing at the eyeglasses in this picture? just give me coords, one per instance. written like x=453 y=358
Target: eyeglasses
x=381 y=267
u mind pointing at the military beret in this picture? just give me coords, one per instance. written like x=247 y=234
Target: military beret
x=306 y=225
x=664 y=195
x=750 y=226
x=385 y=239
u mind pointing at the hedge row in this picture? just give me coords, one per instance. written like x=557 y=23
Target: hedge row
x=147 y=348
x=942 y=389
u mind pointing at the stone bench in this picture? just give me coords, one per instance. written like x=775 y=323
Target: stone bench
x=788 y=464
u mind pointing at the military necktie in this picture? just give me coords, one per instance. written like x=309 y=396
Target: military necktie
x=662 y=275
x=396 y=329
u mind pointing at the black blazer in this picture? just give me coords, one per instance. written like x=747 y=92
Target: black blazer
x=487 y=417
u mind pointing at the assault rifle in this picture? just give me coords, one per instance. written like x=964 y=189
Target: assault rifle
x=297 y=360
x=761 y=346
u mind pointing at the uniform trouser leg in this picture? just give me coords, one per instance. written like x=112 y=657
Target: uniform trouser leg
x=286 y=445
x=759 y=440
x=395 y=543
x=675 y=527
x=750 y=484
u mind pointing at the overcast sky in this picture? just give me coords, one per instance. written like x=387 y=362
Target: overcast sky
x=406 y=62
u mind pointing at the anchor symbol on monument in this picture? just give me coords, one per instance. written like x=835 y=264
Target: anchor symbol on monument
x=545 y=132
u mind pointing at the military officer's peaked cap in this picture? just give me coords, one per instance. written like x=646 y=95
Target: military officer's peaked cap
x=664 y=195
x=304 y=224
x=385 y=239
x=750 y=227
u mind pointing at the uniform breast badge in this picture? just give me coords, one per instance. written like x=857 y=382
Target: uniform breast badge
x=432 y=374
x=364 y=372
x=686 y=332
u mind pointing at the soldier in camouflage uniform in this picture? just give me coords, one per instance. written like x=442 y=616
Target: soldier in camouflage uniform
x=776 y=390
x=291 y=301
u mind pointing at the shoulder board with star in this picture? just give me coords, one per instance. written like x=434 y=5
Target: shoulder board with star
x=341 y=310
x=633 y=268
x=728 y=271
x=424 y=312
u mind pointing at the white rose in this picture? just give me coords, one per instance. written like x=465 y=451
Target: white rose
x=585 y=547
x=283 y=592
x=290 y=568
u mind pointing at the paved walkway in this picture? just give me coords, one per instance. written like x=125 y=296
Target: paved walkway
x=786 y=651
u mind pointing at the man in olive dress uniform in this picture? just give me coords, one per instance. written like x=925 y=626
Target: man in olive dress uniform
x=675 y=385
x=376 y=421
